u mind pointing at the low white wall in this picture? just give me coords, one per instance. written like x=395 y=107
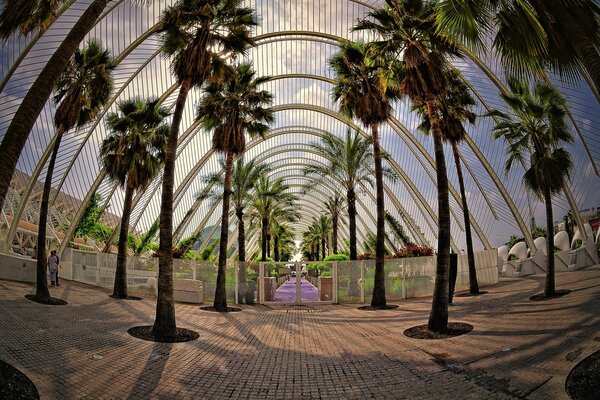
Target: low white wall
x=17 y=268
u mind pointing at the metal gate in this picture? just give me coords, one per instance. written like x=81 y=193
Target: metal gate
x=297 y=283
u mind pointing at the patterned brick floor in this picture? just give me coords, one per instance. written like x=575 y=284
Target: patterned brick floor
x=518 y=348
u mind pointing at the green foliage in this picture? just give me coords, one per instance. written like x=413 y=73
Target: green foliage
x=259 y=259
x=100 y=232
x=208 y=254
x=514 y=239
x=512 y=257
x=146 y=239
x=337 y=257
x=190 y=255
x=132 y=241
x=538 y=231
x=90 y=218
x=578 y=244
x=187 y=243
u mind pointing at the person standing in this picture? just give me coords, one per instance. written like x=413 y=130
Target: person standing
x=53 y=268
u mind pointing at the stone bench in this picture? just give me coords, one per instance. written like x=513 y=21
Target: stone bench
x=188 y=291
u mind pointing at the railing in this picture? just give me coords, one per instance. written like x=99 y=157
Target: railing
x=352 y=280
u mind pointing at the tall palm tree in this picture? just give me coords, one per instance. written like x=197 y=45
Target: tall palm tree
x=531 y=35
x=455 y=107
x=534 y=130
x=350 y=161
x=365 y=91
x=81 y=91
x=132 y=155
x=323 y=224
x=269 y=195
x=197 y=34
x=409 y=32
x=28 y=16
x=244 y=176
x=334 y=206
x=230 y=110
x=32 y=104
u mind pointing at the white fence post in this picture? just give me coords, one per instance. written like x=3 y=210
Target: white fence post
x=261 y=283
x=362 y=281
x=334 y=286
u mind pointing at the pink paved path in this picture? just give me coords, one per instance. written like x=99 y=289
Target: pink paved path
x=287 y=292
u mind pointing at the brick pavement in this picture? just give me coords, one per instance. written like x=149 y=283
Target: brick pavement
x=518 y=348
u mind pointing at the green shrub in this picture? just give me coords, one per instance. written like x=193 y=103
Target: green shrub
x=578 y=244
x=512 y=257
x=337 y=257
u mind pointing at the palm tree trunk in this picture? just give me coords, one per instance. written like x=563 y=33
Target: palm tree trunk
x=550 y=287
x=164 y=324
x=276 y=248
x=33 y=103
x=473 y=285
x=351 y=196
x=220 y=303
x=268 y=244
x=241 y=255
x=438 y=318
x=378 y=299
x=334 y=222
x=323 y=247
x=120 y=286
x=353 y=289
x=41 y=288
x=264 y=224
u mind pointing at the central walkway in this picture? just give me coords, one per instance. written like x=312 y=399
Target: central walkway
x=287 y=292
x=518 y=349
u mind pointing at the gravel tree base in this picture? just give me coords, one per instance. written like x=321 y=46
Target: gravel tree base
x=15 y=385
x=52 y=302
x=125 y=298
x=213 y=309
x=371 y=308
x=557 y=294
x=454 y=329
x=469 y=294
x=583 y=382
x=145 y=333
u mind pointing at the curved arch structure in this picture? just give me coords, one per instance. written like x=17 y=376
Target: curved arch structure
x=294 y=41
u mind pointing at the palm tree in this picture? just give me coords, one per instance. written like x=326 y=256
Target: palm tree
x=81 y=90
x=244 y=176
x=534 y=130
x=531 y=35
x=27 y=16
x=365 y=91
x=324 y=227
x=132 y=155
x=231 y=109
x=334 y=205
x=197 y=34
x=455 y=108
x=32 y=104
x=409 y=32
x=350 y=161
x=269 y=195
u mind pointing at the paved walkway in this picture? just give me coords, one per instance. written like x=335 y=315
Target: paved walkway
x=518 y=348
x=287 y=292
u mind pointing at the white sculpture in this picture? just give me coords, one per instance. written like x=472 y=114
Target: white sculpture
x=519 y=250
x=561 y=240
x=540 y=244
x=503 y=252
x=577 y=235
